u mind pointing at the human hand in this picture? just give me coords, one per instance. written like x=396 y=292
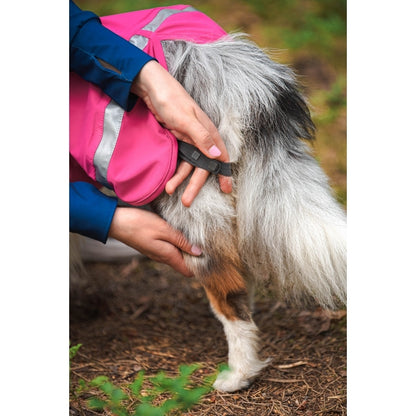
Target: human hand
x=175 y=109
x=151 y=235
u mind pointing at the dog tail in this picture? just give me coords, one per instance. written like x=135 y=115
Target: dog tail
x=291 y=231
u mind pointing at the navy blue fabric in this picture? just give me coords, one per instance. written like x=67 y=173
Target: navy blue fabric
x=90 y=211
x=91 y=41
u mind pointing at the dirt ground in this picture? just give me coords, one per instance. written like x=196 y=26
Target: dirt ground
x=142 y=315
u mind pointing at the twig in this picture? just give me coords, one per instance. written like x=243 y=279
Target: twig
x=282 y=380
x=79 y=375
x=139 y=311
x=297 y=364
x=160 y=353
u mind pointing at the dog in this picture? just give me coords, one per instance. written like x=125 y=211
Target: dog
x=281 y=226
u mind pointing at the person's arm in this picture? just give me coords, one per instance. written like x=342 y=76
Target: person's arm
x=102 y=57
x=142 y=76
x=90 y=211
x=96 y=215
x=176 y=110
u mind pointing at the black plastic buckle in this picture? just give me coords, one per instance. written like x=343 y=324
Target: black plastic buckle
x=192 y=155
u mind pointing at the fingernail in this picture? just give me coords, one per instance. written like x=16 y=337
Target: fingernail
x=214 y=151
x=196 y=250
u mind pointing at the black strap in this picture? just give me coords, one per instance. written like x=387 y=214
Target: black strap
x=192 y=155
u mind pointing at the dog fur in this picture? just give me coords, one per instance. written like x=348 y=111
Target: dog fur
x=281 y=226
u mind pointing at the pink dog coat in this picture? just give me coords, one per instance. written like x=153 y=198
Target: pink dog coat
x=130 y=152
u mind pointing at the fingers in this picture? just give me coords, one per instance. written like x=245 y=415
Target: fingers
x=182 y=172
x=195 y=184
x=226 y=184
x=152 y=236
x=176 y=238
x=174 y=259
x=206 y=137
x=174 y=243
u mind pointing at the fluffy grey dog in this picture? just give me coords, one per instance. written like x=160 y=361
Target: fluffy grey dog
x=281 y=225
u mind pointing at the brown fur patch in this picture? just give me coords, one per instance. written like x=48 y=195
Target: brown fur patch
x=222 y=277
x=233 y=307
x=227 y=294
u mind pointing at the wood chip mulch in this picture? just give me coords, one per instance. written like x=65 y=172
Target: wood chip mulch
x=141 y=315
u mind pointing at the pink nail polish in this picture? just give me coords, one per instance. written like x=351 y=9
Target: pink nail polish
x=214 y=151
x=196 y=250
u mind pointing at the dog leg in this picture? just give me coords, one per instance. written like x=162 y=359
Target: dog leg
x=209 y=224
x=228 y=297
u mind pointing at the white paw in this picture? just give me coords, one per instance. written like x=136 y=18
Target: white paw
x=229 y=381
x=237 y=379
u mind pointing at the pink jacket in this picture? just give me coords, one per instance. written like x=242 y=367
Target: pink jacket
x=130 y=152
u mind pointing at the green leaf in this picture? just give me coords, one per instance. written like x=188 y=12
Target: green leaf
x=73 y=351
x=223 y=367
x=162 y=382
x=169 y=405
x=107 y=388
x=146 y=409
x=82 y=386
x=137 y=384
x=192 y=397
x=119 y=411
x=188 y=370
x=117 y=395
x=96 y=404
x=98 y=381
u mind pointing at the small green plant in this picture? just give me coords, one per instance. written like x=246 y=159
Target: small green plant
x=159 y=395
x=73 y=352
x=171 y=394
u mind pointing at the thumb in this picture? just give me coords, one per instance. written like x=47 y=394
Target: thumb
x=204 y=135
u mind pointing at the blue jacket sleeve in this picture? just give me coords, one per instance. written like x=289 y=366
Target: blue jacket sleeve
x=90 y=211
x=91 y=42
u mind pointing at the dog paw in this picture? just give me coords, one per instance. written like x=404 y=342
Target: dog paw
x=229 y=381
x=237 y=378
